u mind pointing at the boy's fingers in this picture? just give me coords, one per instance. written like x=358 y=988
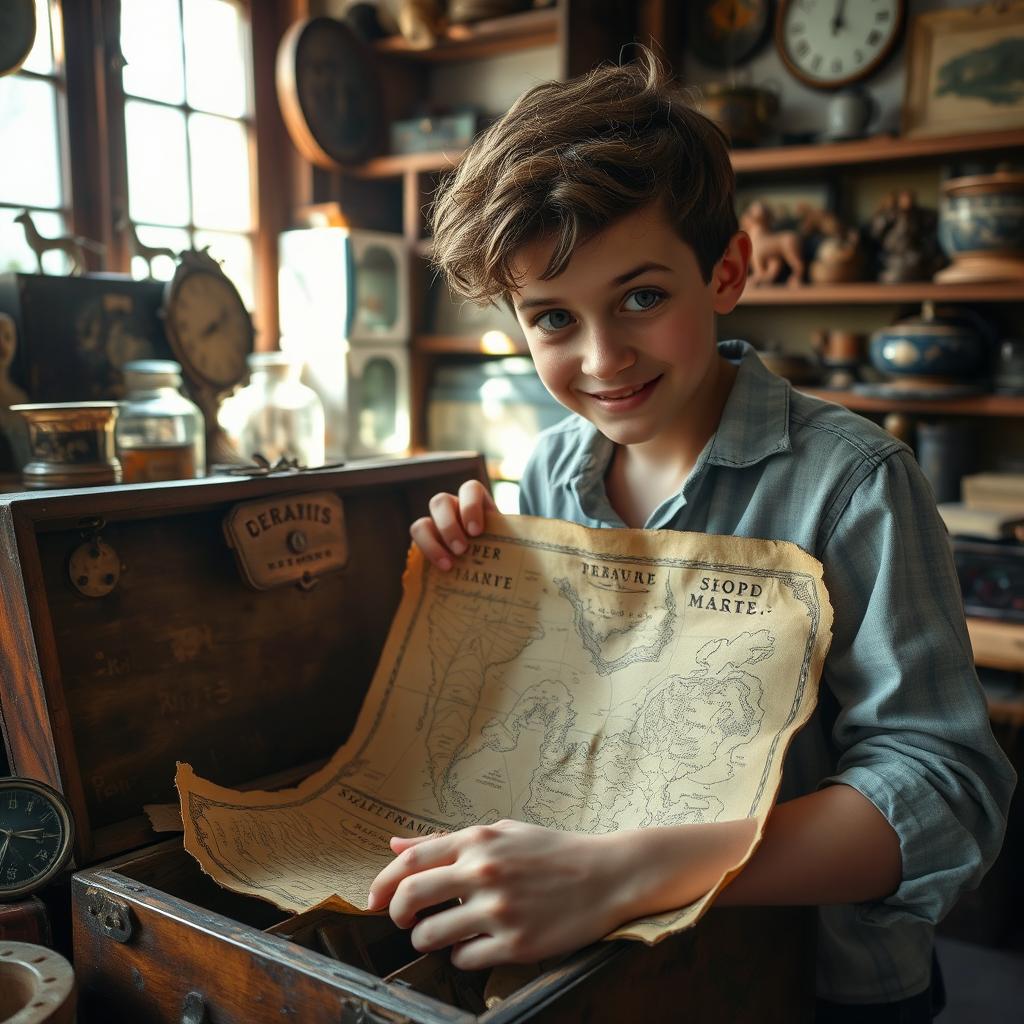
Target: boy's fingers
x=444 y=510
x=455 y=924
x=412 y=860
x=419 y=893
x=474 y=499
x=399 y=844
x=424 y=534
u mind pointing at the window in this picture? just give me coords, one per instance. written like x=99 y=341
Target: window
x=33 y=166
x=189 y=132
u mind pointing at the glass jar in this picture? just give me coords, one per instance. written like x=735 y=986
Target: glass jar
x=275 y=414
x=160 y=434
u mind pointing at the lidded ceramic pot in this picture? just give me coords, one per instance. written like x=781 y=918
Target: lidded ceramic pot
x=945 y=344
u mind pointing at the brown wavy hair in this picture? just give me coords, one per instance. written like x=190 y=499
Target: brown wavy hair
x=570 y=158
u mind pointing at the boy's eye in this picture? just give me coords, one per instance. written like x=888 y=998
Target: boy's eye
x=553 y=320
x=643 y=298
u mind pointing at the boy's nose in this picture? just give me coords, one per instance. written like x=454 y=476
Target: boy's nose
x=604 y=357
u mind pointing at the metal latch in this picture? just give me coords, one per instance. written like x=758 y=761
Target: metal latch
x=108 y=916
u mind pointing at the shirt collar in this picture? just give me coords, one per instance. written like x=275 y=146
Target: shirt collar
x=755 y=420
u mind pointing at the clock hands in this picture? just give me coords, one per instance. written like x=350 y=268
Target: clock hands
x=838 y=21
x=28 y=833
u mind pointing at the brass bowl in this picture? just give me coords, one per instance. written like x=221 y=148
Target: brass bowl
x=71 y=444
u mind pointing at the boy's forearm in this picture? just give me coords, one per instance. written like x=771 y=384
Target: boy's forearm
x=832 y=846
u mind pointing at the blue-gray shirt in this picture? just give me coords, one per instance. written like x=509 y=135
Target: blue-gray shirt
x=901 y=717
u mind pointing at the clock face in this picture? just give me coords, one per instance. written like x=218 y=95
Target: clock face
x=832 y=43
x=209 y=327
x=35 y=836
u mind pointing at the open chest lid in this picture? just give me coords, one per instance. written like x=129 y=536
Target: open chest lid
x=193 y=621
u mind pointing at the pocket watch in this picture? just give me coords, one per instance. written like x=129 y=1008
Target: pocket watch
x=207 y=324
x=828 y=44
x=36 y=834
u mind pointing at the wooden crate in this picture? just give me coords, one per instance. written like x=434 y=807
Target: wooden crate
x=182 y=660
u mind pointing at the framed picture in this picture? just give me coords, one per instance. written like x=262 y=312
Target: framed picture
x=963 y=70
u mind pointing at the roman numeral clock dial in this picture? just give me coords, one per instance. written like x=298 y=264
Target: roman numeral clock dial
x=829 y=44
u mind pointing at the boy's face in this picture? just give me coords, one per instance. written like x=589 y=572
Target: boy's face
x=625 y=336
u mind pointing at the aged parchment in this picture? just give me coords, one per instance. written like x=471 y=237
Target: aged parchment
x=581 y=679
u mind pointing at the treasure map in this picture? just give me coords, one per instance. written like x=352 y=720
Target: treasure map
x=591 y=680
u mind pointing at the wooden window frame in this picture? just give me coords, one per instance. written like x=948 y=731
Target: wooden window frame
x=97 y=157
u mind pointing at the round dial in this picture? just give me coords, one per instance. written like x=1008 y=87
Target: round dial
x=207 y=323
x=36 y=832
x=831 y=43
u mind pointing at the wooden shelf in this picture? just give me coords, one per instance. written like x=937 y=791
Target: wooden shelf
x=979 y=405
x=867 y=293
x=480 y=39
x=405 y=163
x=997 y=644
x=498 y=344
x=878 y=149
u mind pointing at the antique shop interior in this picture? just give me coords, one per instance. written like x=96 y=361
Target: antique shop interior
x=231 y=378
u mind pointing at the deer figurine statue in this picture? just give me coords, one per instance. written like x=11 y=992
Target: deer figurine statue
x=73 y=246
x=139 y=248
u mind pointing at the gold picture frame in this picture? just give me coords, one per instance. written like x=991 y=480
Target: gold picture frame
x=963 y=70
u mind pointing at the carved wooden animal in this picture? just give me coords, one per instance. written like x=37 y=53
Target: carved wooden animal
x=772 y=250
x=73 y=246
x=140 y=249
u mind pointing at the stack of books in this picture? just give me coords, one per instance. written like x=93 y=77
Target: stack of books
x=992 y=507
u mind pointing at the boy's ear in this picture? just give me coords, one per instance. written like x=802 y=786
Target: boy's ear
x=729 y=277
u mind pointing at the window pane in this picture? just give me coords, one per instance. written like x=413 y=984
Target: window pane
x=216 y=45
x=157 y=164
x=151 y=43
x=220 y=173
x=159 y=267
x=29 y=150
x=235 y=255
x=15 y=253
x=40 y=59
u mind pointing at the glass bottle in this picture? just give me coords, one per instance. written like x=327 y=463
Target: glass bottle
x=275 y=414
x=160 y=434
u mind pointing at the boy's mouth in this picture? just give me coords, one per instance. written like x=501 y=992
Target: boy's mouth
x=630 y=395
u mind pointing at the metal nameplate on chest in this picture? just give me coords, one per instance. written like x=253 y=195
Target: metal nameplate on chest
x=288 y=540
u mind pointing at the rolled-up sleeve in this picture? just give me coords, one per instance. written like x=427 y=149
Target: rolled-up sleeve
x=912 y=730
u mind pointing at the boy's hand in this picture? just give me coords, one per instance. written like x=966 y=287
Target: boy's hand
x=525 y=892
x=451 y=523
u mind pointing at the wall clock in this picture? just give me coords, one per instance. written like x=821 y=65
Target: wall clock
x=17 y=33
x=829 y=44
x=36 y=834
x=725 y=33
x=327 y=89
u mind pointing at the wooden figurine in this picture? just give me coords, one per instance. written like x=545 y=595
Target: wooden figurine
x=772 y=250
x=907 y=240
x=73 y=246
x=140 y=249
x=839 y=256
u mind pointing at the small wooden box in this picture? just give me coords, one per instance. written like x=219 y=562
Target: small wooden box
x=182 y=660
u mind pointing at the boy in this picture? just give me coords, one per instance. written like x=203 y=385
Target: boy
x=602 y=210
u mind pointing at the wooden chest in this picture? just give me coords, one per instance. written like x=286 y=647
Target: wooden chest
x=179 y=658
